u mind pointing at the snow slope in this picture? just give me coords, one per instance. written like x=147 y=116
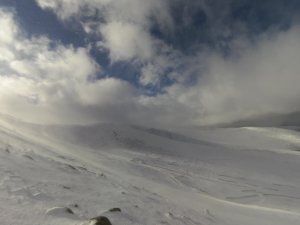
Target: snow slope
x=223 y=176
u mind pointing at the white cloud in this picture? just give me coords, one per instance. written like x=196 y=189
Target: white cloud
x=45 y=81
x=63 y=8
x=124 y=30
x=127 y=41
x=8 y=30
x=133 y=11
x=263 y=79
x=106 y=91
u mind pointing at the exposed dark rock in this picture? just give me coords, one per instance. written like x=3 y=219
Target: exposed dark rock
x=69 y=211
x=115 y=210
x=66 y=187
x=72 y=167
x=101 y=220
x=28 y=157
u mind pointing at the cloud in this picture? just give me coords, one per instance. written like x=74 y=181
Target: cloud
x=63 y=8
x=127 y=42
x=42 y=80
x=134 y=11
x=124 y=30
x=257 y=80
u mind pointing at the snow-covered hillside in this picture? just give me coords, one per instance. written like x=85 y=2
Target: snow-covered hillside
x=68 y=175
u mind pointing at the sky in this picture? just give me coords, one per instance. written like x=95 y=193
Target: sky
x=151 y=62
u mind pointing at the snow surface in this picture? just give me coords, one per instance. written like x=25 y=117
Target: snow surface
x=68 y=175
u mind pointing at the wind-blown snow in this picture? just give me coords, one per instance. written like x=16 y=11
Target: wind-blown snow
x=224 y=176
